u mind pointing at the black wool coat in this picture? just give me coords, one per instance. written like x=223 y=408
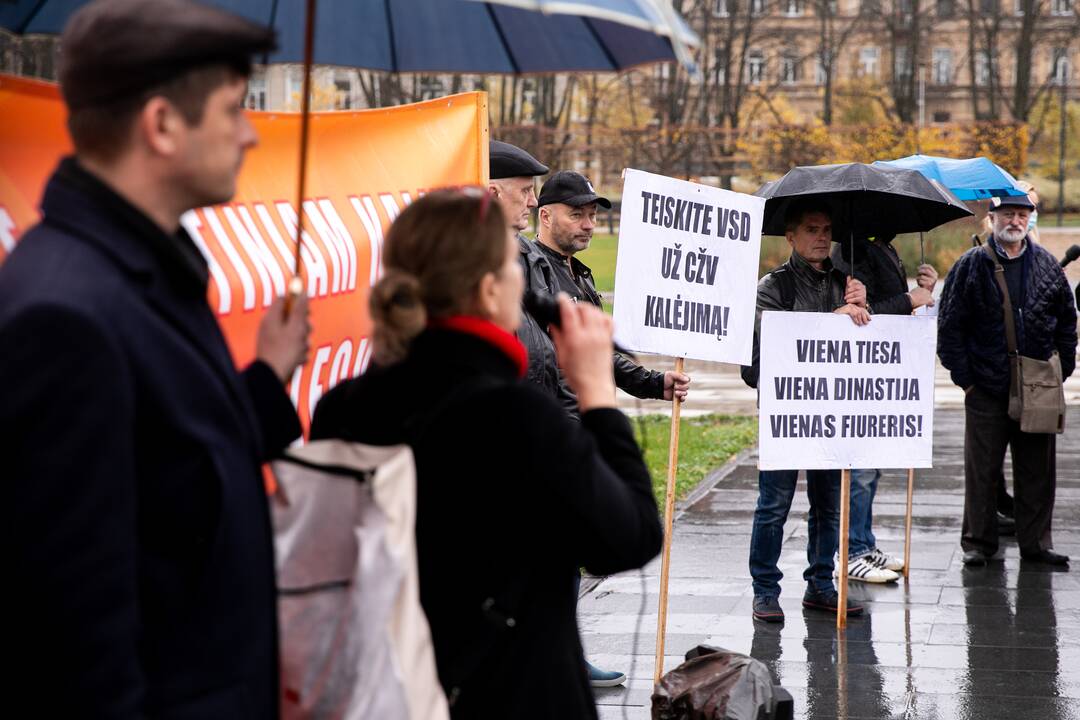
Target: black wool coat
x=138 y=549
x=513 y=497
x=878 y=266
x=971 y=324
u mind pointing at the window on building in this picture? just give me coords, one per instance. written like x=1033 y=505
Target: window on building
x=1061 y=7
x=789 y=68
x=901 y=67
x=755 y=67
x=1060 y=63
x=984 y=67
x=870 y=7
x=819 y=71
x=791 y=8
x=342 y=94
x=723 y=8
x=720 y=68
x=941 y=71
x=1018 y=8
x=256 y=94
x=868 y=61
x=758 y=7
x=942 y=116
x=294 y=87
x=432 y=87
x=828 y=9
x=988 y=7
x=903 y=7
x=946 y=8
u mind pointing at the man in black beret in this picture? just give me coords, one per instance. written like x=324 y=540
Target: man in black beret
x=140 y=553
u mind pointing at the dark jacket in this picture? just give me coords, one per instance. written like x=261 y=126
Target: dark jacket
x=543 y=361
x=879 y=267
x=629 y=376
x=797 y=286
x=139 y=552
x=971 y=324
x=512 y=498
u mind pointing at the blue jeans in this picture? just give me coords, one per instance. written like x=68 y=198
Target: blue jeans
x=860 y=536
x=776 y=489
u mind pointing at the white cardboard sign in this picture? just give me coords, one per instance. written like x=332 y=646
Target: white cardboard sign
x=834 y=395
x=687 y=268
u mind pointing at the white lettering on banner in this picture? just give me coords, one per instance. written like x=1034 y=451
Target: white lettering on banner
x=7 y=230
x=191 y=222
x=266 y=265
x=315 y=386
x=314 y=262
x=344 y=242
x=287 y=253
x=339 y=368
x=687 y=295
x=833 y=395
x=369 y=217
x=390 y=205
x=325 y=236
x=247 y=283
x=362 y=350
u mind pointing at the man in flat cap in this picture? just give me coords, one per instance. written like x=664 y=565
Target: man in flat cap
x=1008 y=273
x=568 y=205
x=140 y=559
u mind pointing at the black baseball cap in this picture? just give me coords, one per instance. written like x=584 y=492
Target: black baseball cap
x=508 y=161
x=570 y=188
x=1021 y=201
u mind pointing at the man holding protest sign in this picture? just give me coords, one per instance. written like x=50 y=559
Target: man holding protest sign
x=568 y=206
x=141 y=545
x=878 y=266
x=807 y=282
x=1015 y=276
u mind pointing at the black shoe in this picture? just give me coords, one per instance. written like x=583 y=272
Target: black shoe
x=828 y=601
x=1048 y=557
x=767 y=609
x=975 y=558
x=1006 y=524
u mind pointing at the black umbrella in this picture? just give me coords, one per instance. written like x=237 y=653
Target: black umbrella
x=868 y=200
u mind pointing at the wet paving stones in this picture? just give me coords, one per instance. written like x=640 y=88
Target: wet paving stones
x=953 y=643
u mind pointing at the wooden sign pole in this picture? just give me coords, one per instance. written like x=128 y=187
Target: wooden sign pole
x=669 y=519
x=845 y=512
x=907 y=522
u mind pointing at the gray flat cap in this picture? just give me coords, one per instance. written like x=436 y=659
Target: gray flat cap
x=507 y=161
x=112 y=50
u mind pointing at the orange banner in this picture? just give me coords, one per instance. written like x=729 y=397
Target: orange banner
x=363 y=168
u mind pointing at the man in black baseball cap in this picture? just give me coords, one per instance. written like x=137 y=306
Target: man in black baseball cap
x=141 y=542
x=568 y=204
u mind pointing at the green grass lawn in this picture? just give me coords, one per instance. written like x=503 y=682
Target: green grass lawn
x=601 y=258
x=705 y=443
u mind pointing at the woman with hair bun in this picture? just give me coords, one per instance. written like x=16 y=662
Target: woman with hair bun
x=500 y=467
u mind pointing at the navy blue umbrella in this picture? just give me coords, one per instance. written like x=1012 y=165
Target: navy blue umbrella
x=436 y=36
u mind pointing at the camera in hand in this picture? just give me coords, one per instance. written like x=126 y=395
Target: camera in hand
x=545 y=309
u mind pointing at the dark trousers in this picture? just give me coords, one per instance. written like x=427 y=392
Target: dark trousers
x=987 y=431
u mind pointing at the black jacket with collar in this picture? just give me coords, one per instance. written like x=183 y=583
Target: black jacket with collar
x=971 y=323
x=139 y=543
x=880 y=269
x=794 y=286
x=512 y=498
x=629 y=376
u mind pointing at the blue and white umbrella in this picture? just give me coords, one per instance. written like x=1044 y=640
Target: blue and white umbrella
x=443 y=36
x=971 y=179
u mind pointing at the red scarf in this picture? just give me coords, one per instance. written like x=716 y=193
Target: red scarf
x=490 y=332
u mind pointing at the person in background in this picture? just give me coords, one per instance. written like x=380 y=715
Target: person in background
x=807 y=282
x=972 y=346
x=878 y=266
x=513 y=496
x=140 y=551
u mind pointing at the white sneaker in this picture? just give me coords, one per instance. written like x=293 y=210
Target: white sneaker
x=885 y=560
x=864 y=570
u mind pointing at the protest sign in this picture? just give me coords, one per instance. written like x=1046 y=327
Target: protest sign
x=834 y=395
x=687 y=267
x=363 y=169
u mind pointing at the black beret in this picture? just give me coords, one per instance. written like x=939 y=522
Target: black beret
x=116 y=49
x=507 y=161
